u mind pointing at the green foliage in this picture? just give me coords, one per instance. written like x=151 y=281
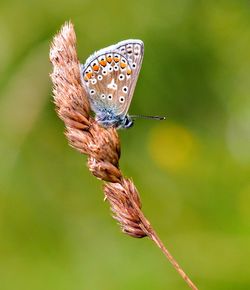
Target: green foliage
x=192 y=170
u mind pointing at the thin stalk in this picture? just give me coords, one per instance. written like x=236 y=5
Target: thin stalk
x=154 y=237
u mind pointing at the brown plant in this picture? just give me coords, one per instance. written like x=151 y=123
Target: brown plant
x=101 y=145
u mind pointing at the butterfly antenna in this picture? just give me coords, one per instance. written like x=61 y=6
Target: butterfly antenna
x=147 y=117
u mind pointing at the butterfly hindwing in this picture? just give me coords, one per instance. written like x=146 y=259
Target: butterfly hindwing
x=110 y=76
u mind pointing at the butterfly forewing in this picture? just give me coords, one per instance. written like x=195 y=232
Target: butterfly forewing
x=110 y=76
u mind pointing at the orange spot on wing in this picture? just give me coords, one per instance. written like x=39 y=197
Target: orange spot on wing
x=103 y=62
x=123 y=65
x=96 y=67
x=89 y=75
x=116 y=59
x=109 y=59
x=129 y=72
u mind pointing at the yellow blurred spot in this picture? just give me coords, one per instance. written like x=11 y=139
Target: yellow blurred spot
x=172 y=146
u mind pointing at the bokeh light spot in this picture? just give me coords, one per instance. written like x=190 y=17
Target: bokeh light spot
x=172 y=146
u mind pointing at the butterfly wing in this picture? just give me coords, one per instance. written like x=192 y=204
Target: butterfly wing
x=110 y=76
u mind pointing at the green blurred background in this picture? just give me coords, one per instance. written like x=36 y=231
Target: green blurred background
x=192 y=170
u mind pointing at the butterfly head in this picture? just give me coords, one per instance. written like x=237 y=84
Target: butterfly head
x=128 y=122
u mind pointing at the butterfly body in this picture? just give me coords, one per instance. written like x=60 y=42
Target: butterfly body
x=109 y=77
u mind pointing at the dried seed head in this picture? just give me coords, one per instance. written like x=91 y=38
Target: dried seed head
x=85 y=135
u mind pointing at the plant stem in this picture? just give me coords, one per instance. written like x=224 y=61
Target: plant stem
x=154 y=237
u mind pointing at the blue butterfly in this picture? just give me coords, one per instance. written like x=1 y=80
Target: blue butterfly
x=109 y=77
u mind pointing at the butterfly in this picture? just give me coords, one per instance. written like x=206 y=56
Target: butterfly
x=109 y=77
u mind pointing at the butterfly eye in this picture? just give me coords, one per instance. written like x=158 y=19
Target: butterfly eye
x=99 y=77
x=104 y=72
x=122 y=99
x=110 y=68
x=116 y=68
x=103 y=96
x=92 y=92
x=134 y=65
x=110 y=97
x=93 y=81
